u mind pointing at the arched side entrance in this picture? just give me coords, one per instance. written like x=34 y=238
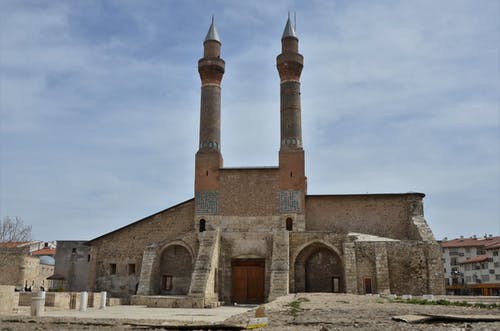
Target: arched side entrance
x=176 y=267
x=318 y=268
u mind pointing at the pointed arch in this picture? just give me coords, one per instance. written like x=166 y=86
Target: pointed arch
x=318 y=267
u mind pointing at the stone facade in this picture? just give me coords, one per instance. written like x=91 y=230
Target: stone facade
x=253 y=234
x=20 y=269
x=72 y=264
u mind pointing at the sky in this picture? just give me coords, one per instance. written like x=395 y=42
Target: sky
x=99 y=105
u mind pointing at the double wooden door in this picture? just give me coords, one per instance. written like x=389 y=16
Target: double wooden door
x=248 y=277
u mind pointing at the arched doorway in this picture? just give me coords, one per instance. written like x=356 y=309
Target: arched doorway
x=176 y=267
x=318 y=268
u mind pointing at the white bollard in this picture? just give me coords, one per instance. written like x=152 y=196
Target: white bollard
x=83 y=301
x=103 y=300
x=37 y=305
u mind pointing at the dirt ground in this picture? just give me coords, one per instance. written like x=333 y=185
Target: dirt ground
x=303 y=312
x=325 y=312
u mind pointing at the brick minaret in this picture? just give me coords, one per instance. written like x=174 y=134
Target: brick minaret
x=208 y=158
x=291 y=155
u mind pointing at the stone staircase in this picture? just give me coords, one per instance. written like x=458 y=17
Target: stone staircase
x=280 y=265
x=202 y=280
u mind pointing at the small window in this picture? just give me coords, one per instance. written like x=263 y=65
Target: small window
x=289 y=224
x=495 y=253
x=88 y=258
x=202 y=225
x=73 y=250
x=216 y=276
x=112 y=268
x=131 y=269
x=166 y=282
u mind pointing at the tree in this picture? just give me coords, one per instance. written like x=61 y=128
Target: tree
x=13 y=229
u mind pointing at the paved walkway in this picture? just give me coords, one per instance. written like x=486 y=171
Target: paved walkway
x=213 y=315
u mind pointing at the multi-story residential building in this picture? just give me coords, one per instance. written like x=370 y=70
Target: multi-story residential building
x=472 y=265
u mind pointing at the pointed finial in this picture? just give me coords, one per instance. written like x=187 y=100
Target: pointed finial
x=212 y=32
x=289 y=30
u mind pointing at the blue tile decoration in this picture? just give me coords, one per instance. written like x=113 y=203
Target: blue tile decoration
x=207 y=202
x=290 y=202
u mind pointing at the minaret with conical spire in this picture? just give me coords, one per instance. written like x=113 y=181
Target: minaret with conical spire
x=291 y=155
x=208 y=158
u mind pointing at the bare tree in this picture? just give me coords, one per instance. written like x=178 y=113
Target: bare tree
x=13 y=229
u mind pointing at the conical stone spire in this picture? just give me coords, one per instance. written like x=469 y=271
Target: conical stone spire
x=212 y=33
x=289 y=30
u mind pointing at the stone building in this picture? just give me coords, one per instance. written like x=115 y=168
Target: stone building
x=23 y=268
x=71 y=270
x=253 y=234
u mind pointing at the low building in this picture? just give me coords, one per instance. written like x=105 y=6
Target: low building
x=72 y=263
x=26 y=265
x=472 y=265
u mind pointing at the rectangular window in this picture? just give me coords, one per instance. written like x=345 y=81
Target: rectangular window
x=467 y=250
x=497 y=264
x=216 y=280
x=131 y=269
x=112 y=268
x=497 y=277
x=485 y=278
x=461 y=254
x=468 y=279
x=453 y=261
x=492 y=271
x=453 y=253
x=495 y=253
x=166 y=282
x=481 y=252
x=88 y=258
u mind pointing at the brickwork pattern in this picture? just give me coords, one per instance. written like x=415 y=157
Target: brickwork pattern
x=249 y=192
x=207 y=203
x=290 y=202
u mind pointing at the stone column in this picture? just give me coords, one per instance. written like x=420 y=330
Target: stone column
x=382 y=269
x=350 y=268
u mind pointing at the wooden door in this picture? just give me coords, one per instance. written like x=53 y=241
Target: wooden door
x=368 y=285
x=248 y=281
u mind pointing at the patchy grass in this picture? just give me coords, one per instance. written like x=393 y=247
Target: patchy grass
x=294 y=307
x=343 y=301
x=442 y=302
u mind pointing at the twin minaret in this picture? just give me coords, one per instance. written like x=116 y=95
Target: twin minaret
x=291 y=155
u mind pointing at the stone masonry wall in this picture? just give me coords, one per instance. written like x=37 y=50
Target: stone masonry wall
x=385 y=215
x=410 y=269
x=249 y=192
x=126 y=247
x=242 y=245
x=72 y=262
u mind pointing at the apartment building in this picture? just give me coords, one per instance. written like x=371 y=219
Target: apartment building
x=472 y=265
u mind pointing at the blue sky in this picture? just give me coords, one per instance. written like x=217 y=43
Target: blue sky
x=99 y=105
